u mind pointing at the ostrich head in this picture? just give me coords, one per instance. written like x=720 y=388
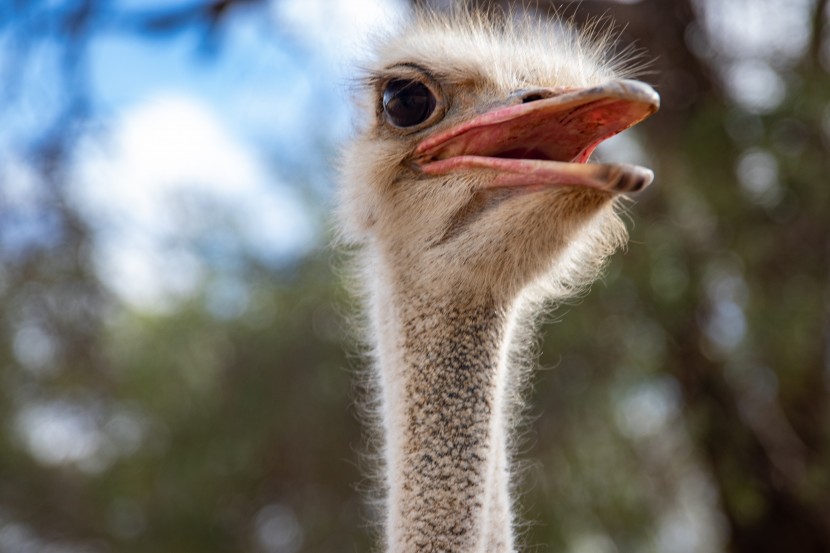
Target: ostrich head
x=471 y=170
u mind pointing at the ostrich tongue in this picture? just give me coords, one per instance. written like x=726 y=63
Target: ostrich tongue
x=547 y=139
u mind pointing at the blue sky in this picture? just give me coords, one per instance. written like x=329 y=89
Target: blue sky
x=251 y=65
x=192 y=160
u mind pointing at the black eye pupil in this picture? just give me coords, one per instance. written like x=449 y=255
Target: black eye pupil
x=407 y=103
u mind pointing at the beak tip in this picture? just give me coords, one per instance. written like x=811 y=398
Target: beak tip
x=640 y=179
x=630 y=178
x=639 y=91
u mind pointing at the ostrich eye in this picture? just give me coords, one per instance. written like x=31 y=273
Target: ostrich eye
x=407 y=103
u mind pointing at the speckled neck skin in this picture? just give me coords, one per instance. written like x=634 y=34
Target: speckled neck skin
x=443 y=368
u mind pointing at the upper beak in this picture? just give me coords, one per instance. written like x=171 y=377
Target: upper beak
x=547 y=140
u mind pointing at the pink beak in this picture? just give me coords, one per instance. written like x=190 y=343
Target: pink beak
x=547 y=140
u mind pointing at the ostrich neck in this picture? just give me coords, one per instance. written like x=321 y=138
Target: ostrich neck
x=442 y=372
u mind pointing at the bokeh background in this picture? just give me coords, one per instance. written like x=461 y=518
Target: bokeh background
x=175 y=364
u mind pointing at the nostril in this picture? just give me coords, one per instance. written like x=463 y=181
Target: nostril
x=526 y=95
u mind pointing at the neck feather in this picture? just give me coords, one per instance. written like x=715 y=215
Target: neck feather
x=442 y=369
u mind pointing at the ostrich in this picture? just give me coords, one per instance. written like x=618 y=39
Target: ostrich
x=469 y=195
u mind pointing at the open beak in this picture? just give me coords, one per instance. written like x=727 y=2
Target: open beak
x=547 y=140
